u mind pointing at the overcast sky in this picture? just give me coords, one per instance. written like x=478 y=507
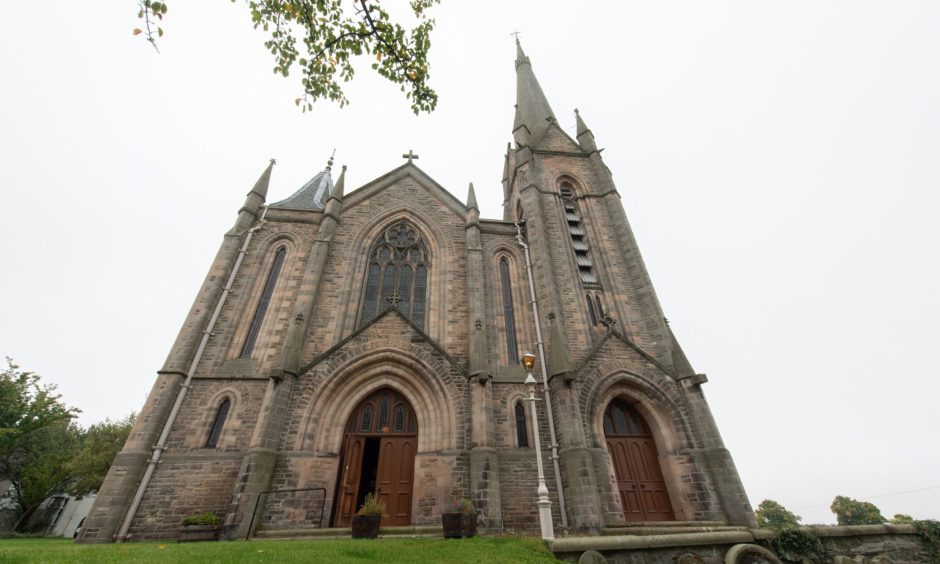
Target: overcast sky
x=778 y=162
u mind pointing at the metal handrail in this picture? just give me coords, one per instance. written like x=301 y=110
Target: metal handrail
x=257 y=501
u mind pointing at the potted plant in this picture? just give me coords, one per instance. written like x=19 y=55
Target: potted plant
x=366 y=521
x=460 y=521
x=200 y=527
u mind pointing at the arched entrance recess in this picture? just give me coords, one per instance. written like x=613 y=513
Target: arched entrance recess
x=632 y=449
x=379 y=444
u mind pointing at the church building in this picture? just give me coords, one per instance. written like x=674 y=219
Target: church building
x=354 y=341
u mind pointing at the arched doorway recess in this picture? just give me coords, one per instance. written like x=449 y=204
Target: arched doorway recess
x=632 y=449
x=379 y=446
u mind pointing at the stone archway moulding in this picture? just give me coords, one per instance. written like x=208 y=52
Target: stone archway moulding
x=322 y=427
x=659 y=410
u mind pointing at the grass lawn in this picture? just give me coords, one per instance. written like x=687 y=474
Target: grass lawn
x=479 y=550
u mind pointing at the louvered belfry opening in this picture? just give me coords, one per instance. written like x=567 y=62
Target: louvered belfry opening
x=397 y=275
x=578 y=240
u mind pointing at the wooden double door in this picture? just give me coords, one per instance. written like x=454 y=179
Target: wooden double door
x=378 y=457
x=632 y=449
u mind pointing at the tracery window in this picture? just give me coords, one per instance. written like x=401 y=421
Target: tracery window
x=620 y=418
x=394 y=415
x=262 y=308
x=397 y=274
x=217 y=425
x=512 y=350
x=576 y=230
x=522 y=435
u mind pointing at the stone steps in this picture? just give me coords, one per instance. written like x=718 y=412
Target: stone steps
x=410 y=531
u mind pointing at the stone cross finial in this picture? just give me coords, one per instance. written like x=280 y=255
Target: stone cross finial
x=394 y=299
x=608 y=322
x=516 y=35
x=410 y=155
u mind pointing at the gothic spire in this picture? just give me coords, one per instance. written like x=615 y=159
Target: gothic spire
x=472 y=198
x=584 y=135
x=261 y=186
x=339 y=187
x=532 y=109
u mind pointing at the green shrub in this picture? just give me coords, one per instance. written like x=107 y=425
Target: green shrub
x=795 y=545
x=772 y=515
x=371 y=506
x=202 y=519
x=465 y=507
x=929 y=532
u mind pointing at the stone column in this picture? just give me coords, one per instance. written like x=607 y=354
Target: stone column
x=484 y=461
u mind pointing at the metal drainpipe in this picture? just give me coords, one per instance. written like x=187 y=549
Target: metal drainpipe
x=548 y=399
x=161 y=443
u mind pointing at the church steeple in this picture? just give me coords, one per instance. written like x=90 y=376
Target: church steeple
x=532 y=109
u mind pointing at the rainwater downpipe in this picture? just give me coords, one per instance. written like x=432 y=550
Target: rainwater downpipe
x=161 y=443
x=540 y=345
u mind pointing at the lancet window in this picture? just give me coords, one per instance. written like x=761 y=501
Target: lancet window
x=397 y=275
x=522 y=435
x=218 y=423
x=509 y=321
x=263 y=303
x=576 y=231
x=595 y=308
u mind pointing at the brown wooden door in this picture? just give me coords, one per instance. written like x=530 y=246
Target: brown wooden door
x=378 y=456
x=640 y=481
x=349 y=486
x=394 y=479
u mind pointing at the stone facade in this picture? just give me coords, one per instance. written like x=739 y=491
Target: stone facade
x=280 y=335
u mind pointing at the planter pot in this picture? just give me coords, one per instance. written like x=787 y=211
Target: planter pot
x=453 y=525
x=199 y=533
x=365 y=526
x=468 y=525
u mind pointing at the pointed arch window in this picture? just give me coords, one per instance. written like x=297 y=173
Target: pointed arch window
x=595 y=308
x=578 y=242
x=397 y=274
x=522 y=434
x=218 y=423
x=263 y=303
x=509 y=321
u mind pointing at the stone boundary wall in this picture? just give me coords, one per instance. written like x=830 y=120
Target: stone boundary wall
x=896 y=544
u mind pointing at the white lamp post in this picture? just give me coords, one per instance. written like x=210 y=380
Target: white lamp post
x=545 y=505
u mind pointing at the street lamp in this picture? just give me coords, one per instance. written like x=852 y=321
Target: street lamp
x=545 y=505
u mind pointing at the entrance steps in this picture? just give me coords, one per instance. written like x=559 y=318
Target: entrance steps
x=407 y=532
x=670 y=528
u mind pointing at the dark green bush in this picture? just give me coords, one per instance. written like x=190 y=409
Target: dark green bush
x=202 y=519
x=794 y=545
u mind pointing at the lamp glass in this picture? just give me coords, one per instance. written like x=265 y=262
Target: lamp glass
x=528 y=361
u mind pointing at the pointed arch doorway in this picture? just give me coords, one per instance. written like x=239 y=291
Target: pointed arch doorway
x=378 y=455
x=640 y=481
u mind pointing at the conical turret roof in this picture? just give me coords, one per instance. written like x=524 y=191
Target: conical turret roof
x=312 y=195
